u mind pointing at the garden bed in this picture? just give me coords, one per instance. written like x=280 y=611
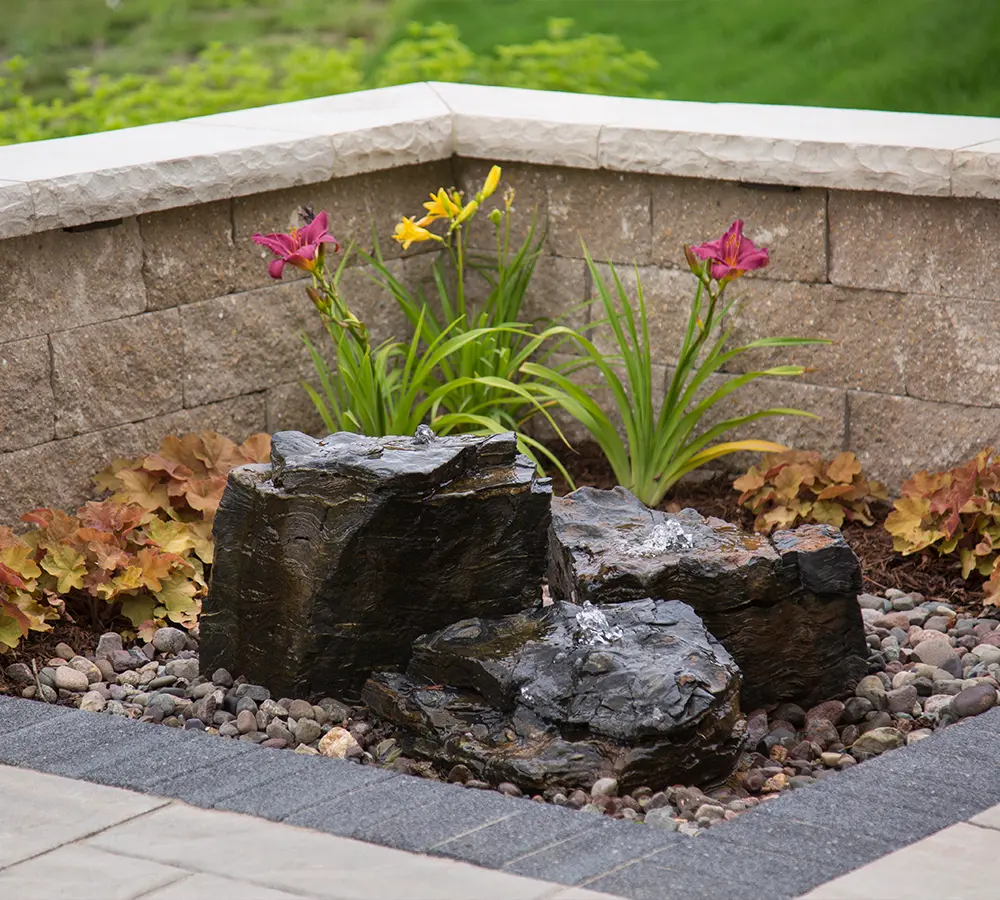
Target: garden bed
x=932 y=662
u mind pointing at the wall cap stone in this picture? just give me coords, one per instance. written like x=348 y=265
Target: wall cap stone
x=96 y=177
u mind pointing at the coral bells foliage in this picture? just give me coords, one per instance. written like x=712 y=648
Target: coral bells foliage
x=22 y=607
x=797 y=486
x=140 y=554
x=956 y=513
x=117 y=558
x=184 y=480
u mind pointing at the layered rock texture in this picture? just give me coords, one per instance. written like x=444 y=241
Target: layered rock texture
x=785 y=607
x=331 y=560
x=566 y=694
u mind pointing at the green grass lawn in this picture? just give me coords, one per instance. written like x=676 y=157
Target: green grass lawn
x=938 y=56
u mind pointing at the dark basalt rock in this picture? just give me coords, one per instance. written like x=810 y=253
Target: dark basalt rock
x=330 y=561
x=567 y=694
x=785 y=607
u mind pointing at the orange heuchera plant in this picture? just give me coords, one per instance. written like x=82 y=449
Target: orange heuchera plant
x=800 y=486
x=117 y=558
x=954 y=512
x=184 y=480
x=140 y=554
x=23 y=607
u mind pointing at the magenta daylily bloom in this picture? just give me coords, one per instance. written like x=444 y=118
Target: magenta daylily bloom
x=301 y=247
x=732 y=254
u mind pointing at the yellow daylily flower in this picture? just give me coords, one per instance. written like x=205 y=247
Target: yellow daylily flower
x=467 y=211
x=492 y=180
x=441 y=206
x=409 y=231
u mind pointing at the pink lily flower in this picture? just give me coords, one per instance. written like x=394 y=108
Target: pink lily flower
x=732 y=254
x=301 y=247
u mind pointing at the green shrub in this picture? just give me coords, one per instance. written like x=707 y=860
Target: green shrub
x=221 y=79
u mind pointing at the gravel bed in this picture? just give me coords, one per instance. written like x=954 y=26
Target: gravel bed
x=929 y=664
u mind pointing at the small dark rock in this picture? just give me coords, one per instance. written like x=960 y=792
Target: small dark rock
x=255 y=692
x=791 y=713
x=855 y=709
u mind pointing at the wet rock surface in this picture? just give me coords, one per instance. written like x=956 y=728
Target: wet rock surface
x=567 y=695
x=330 y=561
x=785 y=607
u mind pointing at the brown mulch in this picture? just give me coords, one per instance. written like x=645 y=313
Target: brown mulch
x=881 y=566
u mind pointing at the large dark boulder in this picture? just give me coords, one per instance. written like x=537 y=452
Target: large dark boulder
x=785 y=607
x=331 y=560
x=566 y=694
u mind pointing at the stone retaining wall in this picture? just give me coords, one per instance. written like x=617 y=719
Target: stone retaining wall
x=157 y=316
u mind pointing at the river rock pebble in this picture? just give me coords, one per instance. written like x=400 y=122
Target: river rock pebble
x=902 y=701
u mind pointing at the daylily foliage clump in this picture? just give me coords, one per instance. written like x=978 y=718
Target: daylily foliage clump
x=460 y=369
x=957 y=513
x=786 y=489
x=663 y=437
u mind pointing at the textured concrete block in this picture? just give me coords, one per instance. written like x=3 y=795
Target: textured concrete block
x=531 y=199
x=790 y=222
x=533 y=828
x=975 y=171
x=868 y=330
x=354 y=205
x=558 y=290
x=609 y=212
x=27 y=407
x=942 y=246
x=188 y=254
x=289 y=408
x=377 y=307
x=116 y=372
x=605 y=846
x=58 y=280
x=515 y=124
x=850 y=149
x=825 y=434
x=247 y=342
x=57 y=473
x=667 y=294
x=236 y=419
x=894 y=437
x=370 y=130
x=17 y=212
x=951 y=350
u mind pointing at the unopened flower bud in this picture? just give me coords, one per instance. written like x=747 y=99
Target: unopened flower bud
x=496 y=217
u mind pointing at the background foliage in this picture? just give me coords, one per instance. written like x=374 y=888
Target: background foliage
x=75 y=66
